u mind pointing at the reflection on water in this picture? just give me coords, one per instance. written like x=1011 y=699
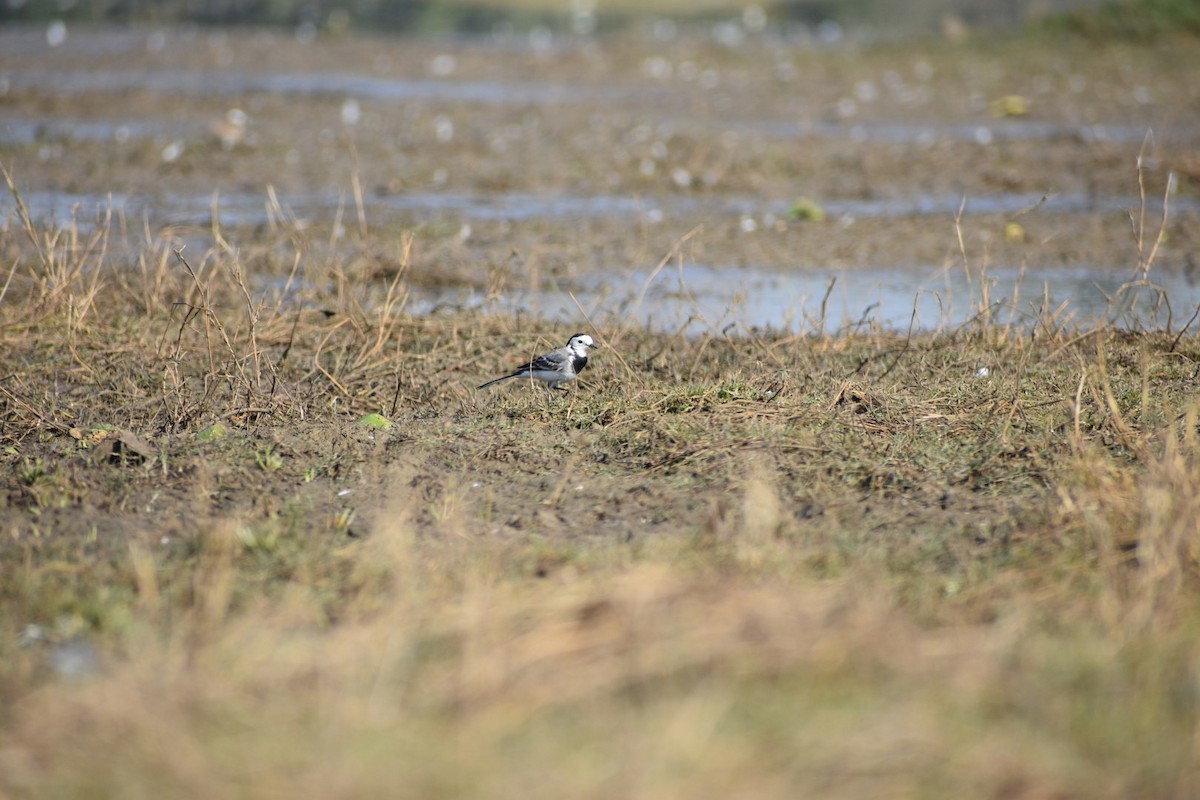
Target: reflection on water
x=236 y=209
x=28 y=131
x=207 y=83
x=701 y=298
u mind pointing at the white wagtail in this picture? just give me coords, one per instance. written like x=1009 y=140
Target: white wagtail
x=557 y=366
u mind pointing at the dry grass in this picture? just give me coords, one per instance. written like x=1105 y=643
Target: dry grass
x=768 y=565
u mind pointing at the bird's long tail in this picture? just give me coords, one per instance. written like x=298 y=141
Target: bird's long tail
x=497 y=380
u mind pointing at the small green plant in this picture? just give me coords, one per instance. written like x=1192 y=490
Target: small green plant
x=217 y=430
x=31 y=470
x=267 y=459
x=375 y=421
x=805 y=208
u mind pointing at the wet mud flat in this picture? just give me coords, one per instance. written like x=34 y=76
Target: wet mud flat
x=597 y=157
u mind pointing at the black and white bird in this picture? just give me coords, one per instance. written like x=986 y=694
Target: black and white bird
x=557 y=366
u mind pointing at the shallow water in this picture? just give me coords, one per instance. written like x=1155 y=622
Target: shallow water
x=699 y=298
x=235 y=209
x=58 y=129
x=703 y=298
x=193 y=83
x=199 y=83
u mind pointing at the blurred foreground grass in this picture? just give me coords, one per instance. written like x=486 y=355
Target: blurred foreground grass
x=733 y=565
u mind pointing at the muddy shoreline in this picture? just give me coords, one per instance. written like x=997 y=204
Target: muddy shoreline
x=679 y=134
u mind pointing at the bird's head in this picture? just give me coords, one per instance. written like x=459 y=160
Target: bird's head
x=581 y=343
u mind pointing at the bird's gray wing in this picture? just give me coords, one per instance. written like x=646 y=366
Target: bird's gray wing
x=554 y=361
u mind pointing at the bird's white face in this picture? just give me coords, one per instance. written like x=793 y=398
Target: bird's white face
x=581 y=342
